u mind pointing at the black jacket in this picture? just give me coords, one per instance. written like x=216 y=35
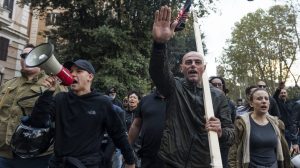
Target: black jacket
x=80 y=122
x=184 y=142
x=287 y=116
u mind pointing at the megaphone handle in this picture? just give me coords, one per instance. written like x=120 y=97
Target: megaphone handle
x=65 y=76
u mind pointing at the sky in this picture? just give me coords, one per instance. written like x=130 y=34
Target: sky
x=218 y=26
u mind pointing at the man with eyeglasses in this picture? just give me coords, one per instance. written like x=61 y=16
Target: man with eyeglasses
x=273 y=109
x=29 y=83
x=219 y=83
x=184 y=141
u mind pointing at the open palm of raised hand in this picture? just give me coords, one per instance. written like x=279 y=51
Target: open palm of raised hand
x=163 y=30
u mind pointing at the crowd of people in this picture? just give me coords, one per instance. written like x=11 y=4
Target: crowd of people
x=167 y=128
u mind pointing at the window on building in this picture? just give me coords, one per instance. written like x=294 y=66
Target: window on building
x=4 y=42
x=52 y=18
x=9 y=4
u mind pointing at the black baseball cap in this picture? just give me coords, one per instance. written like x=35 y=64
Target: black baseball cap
x=81 y=64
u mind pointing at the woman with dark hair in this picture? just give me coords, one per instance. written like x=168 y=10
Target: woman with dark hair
x=133 y=101
x=134 y=98
x=219 y=83
x=259 y=137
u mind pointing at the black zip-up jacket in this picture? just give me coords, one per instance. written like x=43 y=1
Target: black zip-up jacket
x=129 y=117
x=80 y=122
x=184 y=142
x=287 y=116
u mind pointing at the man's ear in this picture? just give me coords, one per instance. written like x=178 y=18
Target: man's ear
x=91 y=76
x=204 y=68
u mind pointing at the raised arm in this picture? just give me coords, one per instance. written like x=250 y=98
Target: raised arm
x=162 y=32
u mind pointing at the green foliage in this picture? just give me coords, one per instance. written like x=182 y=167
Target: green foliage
x=114 y=35
x=263 y=47
x=294 y=93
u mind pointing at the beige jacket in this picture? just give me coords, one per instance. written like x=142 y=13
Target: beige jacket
x=239 y=154
x=11 y=113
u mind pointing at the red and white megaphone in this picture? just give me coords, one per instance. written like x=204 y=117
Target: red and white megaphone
x=42 y=56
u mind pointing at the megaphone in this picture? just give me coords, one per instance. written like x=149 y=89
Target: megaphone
x=42 y=56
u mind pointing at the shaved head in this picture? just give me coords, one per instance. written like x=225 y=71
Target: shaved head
x=192 y=53
x=192 y=66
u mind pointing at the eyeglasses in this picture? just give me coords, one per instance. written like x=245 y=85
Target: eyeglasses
x=23 y=55
x=261 y=86
x=217 y=84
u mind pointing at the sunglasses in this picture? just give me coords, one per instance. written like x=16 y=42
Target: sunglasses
x=23 y=55
x=262 y=86
x=217 y=84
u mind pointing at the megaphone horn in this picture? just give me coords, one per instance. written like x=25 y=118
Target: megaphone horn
x=42 y=56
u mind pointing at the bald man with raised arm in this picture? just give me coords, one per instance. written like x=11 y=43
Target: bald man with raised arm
x=185 y=137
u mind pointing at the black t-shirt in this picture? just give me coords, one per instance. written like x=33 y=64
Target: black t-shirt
x=263 y=143
x=151 y=110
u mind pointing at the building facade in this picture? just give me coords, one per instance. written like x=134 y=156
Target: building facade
x=19 y=25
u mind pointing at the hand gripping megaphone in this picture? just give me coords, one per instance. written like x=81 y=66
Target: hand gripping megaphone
x=42 y=56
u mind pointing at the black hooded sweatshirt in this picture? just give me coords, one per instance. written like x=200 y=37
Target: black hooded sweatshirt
x=80 y=122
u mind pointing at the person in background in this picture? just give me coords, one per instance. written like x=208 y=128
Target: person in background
x=149 y=123
x=246 y=107
x=134 y=98
x=125 y=103
x=28 y=84
x=219 y=83
x=81 y=117
x=133 y=101
x=117 y=156
x=259 y=137
x=273 y=110
x=185 y=137
x=112 y=92
x=239 y=102
x=287 y=116
x=111 y=154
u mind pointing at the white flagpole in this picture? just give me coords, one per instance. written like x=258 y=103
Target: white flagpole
x=215 y=155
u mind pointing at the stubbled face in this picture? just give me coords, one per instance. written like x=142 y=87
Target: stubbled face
x=283 y=94
x=27 y=70
x=192 y=66
x=260 y=101
x=82 y=80
x=133 y=101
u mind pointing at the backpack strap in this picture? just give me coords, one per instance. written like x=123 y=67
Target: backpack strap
x=25 y=98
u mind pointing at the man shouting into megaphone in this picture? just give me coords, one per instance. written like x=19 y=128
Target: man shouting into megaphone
x=81 y=116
